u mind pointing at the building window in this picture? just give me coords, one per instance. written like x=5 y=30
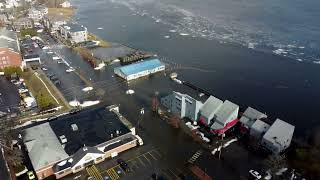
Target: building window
x=61 y=172
x=78 y=167
x=99 y=158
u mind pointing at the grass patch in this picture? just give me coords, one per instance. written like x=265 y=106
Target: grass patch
x=65 y=12
x=37 y=89
x=94 y=37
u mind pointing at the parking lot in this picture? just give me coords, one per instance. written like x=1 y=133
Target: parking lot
x=142 y=166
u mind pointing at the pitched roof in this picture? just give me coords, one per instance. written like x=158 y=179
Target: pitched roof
x=260 y=126
x=84 y=151
x=43 y=146
x=225 y=111
x=74 y=27
x=250 y=115
x=279 y=131
x=211 y=105
x=140 y=66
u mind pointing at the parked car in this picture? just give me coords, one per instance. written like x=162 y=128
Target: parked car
x=123 y=165
x=31 y=175
x=255 y=174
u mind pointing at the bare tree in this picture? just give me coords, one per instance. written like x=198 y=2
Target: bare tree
x=174 y=121
x=274 y=163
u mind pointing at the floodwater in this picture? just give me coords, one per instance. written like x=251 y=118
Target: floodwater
x=282 y=87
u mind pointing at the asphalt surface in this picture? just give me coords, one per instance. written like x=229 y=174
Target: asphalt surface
x=9 y=97
x=174 y=146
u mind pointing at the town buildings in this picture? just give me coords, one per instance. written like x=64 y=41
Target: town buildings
x=278 y=137
x=9 y=49
x=139 y=69
x=23 y=23
x=74 y=32
x=31 y=60
x=38 y=12
x=53 y=23
x=70 y=143
x=249 y=117
x=182 y=104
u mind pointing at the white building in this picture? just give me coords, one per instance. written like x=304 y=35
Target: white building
x=74 y=32
x=66 y=4
x=32 y=60
x=209 y=109
x=249 y=117
x=225 y=118
x=182 y=104
x=139 y=69
x=258 y=129
x=278 y=137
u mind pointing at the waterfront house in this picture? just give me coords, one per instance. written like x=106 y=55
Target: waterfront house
x=278 y=137
x=9 y=49
x=70 y=143
x=139 y=69
x=209 y=109
x=258 y=129
x=249 y=116
x=74 y=32
x=65 y=4
x=182 y=104
x=23 y=23
x=225 y=118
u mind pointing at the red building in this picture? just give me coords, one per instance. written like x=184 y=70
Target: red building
x=9 y=58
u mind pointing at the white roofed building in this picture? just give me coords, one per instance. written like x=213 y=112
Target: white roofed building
x=209 y=109
x=225 y=117
x=278 y=137
x=250 y=116
x=258 y=129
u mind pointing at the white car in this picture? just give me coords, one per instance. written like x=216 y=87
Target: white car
x=255 y=174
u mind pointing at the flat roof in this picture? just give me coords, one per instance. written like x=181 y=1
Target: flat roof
x=74 y=27
x=279 y=131
x=260 y=126
x=140 y=66
x=89 y=127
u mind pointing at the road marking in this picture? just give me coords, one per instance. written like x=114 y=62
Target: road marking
x=142 y=162
x=173 y=173
x=93 y=172
x=157 y=153
x=152 y=156
x=147 y=159
x=113 y=174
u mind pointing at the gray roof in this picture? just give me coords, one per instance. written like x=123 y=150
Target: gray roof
x=260 y=126
x=279 y=131
x=211 y=106
x=43 y=146
x=8 y=39
x=250 y=116
x=225 y=111
x=74 y=27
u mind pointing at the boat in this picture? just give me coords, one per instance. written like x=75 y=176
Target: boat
x=173 y=75
x=130 y=91
x=71 y=69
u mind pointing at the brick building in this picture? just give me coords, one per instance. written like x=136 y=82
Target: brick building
x=9 y=49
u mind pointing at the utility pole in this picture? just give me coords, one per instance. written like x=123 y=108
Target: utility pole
x=220 y=148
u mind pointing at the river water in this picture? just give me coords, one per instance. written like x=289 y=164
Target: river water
x=262 y=54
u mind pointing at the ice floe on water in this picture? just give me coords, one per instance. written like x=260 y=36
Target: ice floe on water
x=186 y=23
x=167 y=37
x=184 y=34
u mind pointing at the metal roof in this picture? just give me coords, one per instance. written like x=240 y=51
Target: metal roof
x=260 y=126
x=225 y=111
x=250 y=115
x=140 y=66
x=43 y=146
x=211 y=105
x=279 y=132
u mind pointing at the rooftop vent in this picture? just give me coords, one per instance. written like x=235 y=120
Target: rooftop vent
x=63 y=139
x=85 y=148
x=74 y=127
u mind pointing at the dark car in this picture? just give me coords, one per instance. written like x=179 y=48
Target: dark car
x=123 y=165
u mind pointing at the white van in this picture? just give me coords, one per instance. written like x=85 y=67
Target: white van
x=140 y=142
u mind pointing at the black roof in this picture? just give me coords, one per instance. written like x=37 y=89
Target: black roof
x=95 y=126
